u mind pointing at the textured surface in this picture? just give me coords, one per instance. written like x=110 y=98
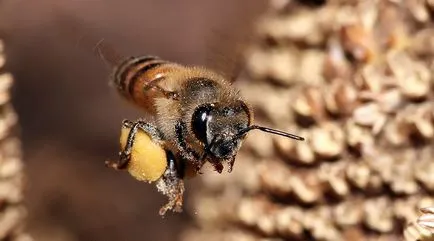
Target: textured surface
x=12 y=210
x=70 y=118
x=422 y=228
x=355 y=79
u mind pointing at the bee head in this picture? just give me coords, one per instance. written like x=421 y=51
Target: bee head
x=221 y=129
x=215 y=125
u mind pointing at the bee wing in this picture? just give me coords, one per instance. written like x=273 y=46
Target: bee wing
x=107 y=53
x=74 y=31
x=225 y=55
x=226 y=44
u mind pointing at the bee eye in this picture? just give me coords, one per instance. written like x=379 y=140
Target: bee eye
x=199 y=122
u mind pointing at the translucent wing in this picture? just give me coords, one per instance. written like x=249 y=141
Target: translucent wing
x=226 y=43
x=74 y=30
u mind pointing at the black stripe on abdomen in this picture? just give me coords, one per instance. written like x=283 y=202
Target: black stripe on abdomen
x=124 y=68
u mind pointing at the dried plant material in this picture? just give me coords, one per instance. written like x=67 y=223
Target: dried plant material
x=333 y=179
x=335 y=64
x=328 y=140
x=421 y=121
x=256 y=214
x=360 y=176
x=289 y=222
x=340 y=98
x=426 y=220
x=283 y=73
x=259 y=149
x=310 y=104
x=398 y=39
x=369 y=115
x=359 y=138
x=278 y=99
x=306 y=188
x=10 y=220
x=419 y=11
x=279 y=4
x=295 y=153
x=226 y=235
x=413 y=78
x=430 y=3
x=275 y=181
x=396 y=133
x=302 y=26
x=414 y=232
x=366 y=167
x=390 y=101
x=321 y=228
x=422 y=228
x=5 y=84
x=423 y=173
x=423 y=42
x=12 y=210
x=377 y=220
x=357 y=40
x=406 y=209
x=371 y=79
x=348 y=213
x=311 y=67
x=402 y=180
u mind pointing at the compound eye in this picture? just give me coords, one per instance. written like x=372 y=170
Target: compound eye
x=199 y=122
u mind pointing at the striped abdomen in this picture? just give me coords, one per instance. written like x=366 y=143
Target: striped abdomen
x=135 y=77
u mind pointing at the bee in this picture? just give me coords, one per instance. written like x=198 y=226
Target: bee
x=198 y=117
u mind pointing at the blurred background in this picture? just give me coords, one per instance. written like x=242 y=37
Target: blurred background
x=70 y=118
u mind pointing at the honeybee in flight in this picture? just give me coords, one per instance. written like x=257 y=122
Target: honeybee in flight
x=198 y=116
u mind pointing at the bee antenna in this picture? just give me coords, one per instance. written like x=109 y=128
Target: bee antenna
x=107 y=54
x=268 y=130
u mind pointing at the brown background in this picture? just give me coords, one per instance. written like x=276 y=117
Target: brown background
x=70 y=118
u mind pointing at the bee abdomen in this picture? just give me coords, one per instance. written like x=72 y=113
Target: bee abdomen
x=124 y=72
x=136 y=74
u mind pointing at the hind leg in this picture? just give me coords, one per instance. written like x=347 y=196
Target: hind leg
x=125 y=154
x=171 y=184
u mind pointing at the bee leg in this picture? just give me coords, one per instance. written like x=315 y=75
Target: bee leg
x=171 y=184
x=166 y=93
x=231 y=164
x=218 y=166
x=198 y=165
x=127 y=124
x=187 y=152
x=125 y=155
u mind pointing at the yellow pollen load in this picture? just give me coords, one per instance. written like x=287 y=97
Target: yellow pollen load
x=148 y=159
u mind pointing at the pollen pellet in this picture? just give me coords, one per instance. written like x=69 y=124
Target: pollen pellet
x=148 y=159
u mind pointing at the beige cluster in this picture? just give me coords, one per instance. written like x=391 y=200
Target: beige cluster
x=355 y=79
x=12 y=211
x=421 y=229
